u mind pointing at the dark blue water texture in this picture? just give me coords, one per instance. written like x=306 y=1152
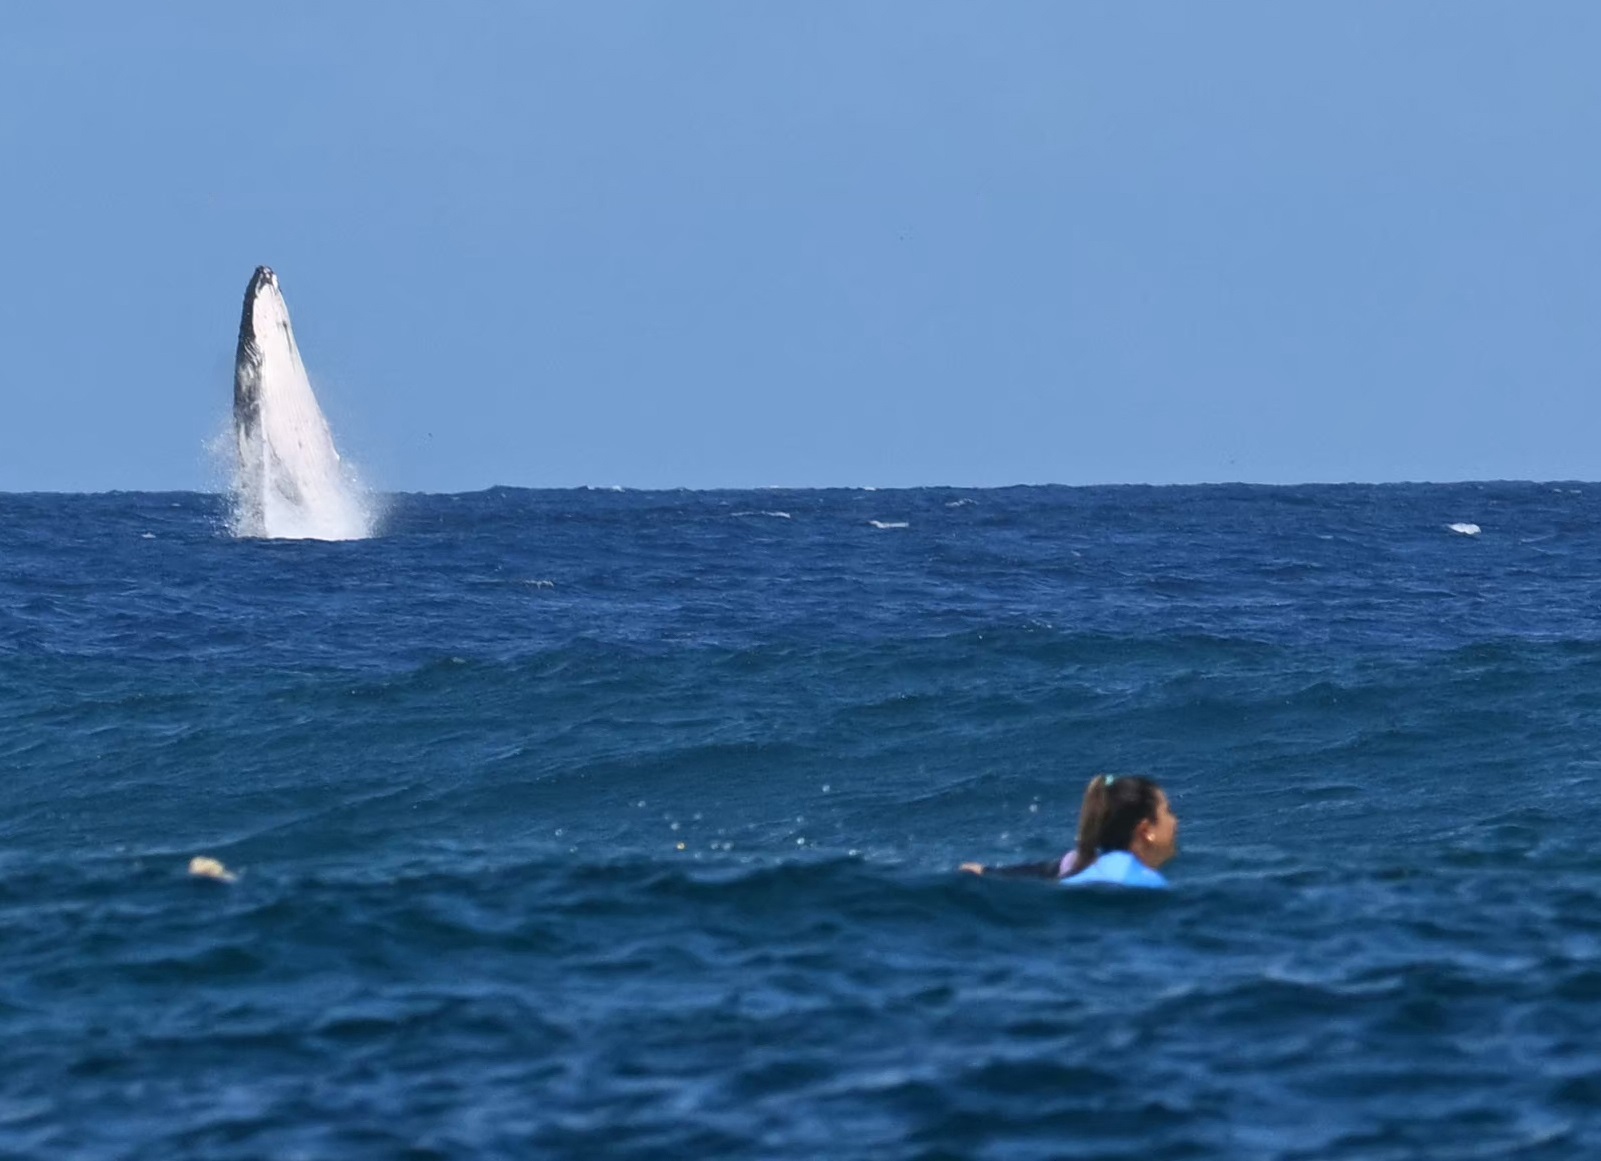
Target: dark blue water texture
x=587 y=825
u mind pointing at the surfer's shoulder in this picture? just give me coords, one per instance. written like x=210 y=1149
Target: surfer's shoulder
x=1118 y=869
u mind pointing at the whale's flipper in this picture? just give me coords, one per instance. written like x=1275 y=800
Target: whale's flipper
x=290 y=481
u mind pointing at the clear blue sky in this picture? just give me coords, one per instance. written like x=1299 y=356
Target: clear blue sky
x=730 y=244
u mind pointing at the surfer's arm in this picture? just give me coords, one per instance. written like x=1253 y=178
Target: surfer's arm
x=1049 y=869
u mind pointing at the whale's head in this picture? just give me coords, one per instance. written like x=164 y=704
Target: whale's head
x=263 y=283
x=262 y=292
x=264 y=310
x=262 y=277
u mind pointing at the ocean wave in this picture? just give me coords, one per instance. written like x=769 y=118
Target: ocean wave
x=607 y=798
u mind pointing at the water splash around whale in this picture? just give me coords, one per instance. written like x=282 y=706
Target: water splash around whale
x=289 y=480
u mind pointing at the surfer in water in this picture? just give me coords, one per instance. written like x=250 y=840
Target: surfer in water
x=1126 y=832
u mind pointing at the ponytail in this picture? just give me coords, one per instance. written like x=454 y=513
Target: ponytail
x=1114 y=806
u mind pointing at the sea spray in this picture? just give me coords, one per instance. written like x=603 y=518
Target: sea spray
x=289 y=481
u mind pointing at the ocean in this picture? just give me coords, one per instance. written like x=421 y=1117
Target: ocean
x=592 y=824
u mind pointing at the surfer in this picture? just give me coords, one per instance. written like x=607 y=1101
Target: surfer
x=1126 y=831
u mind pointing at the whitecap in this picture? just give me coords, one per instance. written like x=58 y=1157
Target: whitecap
x=889 y=523
x=1464 y=529
x=775 y=515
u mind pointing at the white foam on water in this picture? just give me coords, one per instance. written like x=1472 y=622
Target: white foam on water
x=1464 y=529
x=289 y=482
x=889 y=523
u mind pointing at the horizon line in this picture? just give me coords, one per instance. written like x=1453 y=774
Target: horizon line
x=616 y=488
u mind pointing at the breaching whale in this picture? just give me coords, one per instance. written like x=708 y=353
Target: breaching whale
x=289 y=481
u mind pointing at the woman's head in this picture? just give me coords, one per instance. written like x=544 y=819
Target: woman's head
x=1124 y=812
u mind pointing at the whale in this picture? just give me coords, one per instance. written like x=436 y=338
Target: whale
x=289 y=480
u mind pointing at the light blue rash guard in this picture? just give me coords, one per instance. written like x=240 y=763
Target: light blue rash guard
x=1117 y=869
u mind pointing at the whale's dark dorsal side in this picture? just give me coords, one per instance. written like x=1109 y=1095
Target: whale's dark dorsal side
x=247 y=358
x=250 y=482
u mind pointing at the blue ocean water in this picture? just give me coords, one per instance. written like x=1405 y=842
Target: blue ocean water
x=590 y=824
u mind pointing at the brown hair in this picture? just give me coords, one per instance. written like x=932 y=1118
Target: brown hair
x=1114 y=806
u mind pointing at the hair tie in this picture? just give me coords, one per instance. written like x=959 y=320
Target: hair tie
x=1108 y=779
